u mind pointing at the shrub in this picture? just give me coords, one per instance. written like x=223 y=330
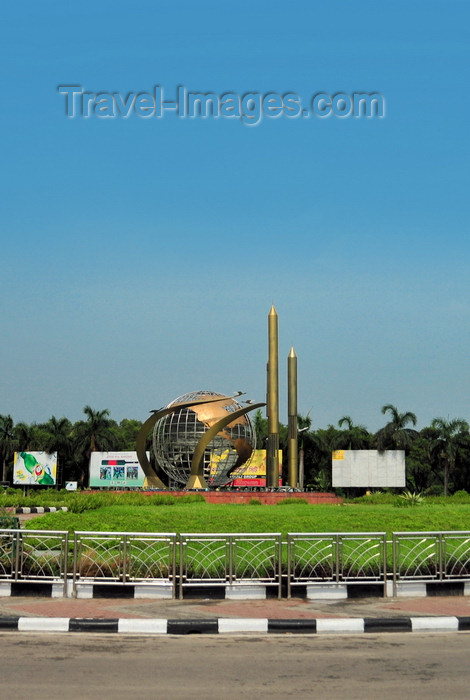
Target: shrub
x=100 y=565
x=434 y=490
x=462 y=494
x=292 y=502
x=409 y=498
x=377 y=498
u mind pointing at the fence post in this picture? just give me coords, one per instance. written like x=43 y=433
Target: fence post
x=385 y=564
x=180 y=582
x=18 y=544
x=124 y=559
x=441 y=558
x=394 y=563
x=65 y=555
x=230 y=559
x=76 y=544
x=289 y=541
x=173 y=565
x=337 y=540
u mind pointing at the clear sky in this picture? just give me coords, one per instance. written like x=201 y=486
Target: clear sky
x=140 y=256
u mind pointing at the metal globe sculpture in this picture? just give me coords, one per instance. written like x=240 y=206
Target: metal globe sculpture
x=176 y=435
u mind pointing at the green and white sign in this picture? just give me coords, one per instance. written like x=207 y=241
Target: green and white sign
x=115 y=469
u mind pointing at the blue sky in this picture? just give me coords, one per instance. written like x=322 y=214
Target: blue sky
x=141 y=256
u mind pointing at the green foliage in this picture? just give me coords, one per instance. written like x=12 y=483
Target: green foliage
x=8 y=520
x=7 y=443
x=409 y=498
x=254 y=502
x=292 y=502
x=437 y=457
x=377 y=498
x=435 y=490
x=395 y=435
x=209 y=518
x=461 y=495
x=80 y=502
x=127 y=433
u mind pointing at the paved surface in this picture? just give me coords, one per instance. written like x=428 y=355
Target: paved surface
x=458 y=606
x=271 y=667
x=275 y=667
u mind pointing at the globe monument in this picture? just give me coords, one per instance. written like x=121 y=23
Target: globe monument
x=200 y=440
x=204 y=439
x=176 y=435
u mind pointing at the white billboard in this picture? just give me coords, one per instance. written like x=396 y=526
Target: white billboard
x=115 y=469
x=368 y=469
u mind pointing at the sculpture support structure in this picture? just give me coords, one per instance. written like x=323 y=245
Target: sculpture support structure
x=292 y=419
x=272 y=451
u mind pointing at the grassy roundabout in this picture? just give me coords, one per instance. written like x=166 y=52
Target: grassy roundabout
x=134 y=512
x=162 y=513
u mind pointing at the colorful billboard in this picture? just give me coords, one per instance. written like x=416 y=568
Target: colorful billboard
x=115 y=470
x=255 y=473
x=35 y=469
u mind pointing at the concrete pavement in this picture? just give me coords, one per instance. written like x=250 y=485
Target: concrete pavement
x=451 y=613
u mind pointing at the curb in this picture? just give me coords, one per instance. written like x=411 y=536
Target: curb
x=24 y=510
x=350 y=625
x=164 y=590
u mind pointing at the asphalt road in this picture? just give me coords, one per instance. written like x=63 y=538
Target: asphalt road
x=102 y=667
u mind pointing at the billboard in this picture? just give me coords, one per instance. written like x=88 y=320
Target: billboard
x=115 y=469
x=255 y=473
x=35 y=469
x=368 y=468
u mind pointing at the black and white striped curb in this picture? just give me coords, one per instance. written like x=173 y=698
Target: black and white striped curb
x=350 y=625
x=23 y=510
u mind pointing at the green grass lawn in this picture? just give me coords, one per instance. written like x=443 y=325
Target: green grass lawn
x=208 y=518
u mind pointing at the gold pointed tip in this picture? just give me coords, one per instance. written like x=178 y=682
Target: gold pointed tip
x=273 y=311
x=292 y=352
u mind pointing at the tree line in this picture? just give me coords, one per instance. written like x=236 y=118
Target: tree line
x=73 y=442
x=437 y=457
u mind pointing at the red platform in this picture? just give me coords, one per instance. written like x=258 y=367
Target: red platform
x=266 y=497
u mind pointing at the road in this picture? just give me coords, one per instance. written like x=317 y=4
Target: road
x=112 y=667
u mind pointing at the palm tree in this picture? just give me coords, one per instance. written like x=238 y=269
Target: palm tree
x=7 y=441
x=395 y=435
x=260 y=426
x=57 y=437
x=355 y=437
x=26 y=436
x=97 y=433
x=450 y=435
x=304 y=424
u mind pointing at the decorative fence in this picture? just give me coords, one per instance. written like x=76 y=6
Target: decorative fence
x=228 y=559
x=124 y=557
x=264 y=559
x=322 y=558
x=34 y=555
x=431 y=556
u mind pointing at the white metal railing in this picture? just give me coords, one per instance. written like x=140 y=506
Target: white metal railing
x=431 y=556
x=34 y=555
x=124 y=557
x=334 y=557
x=227 y=559
x=219 y=559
